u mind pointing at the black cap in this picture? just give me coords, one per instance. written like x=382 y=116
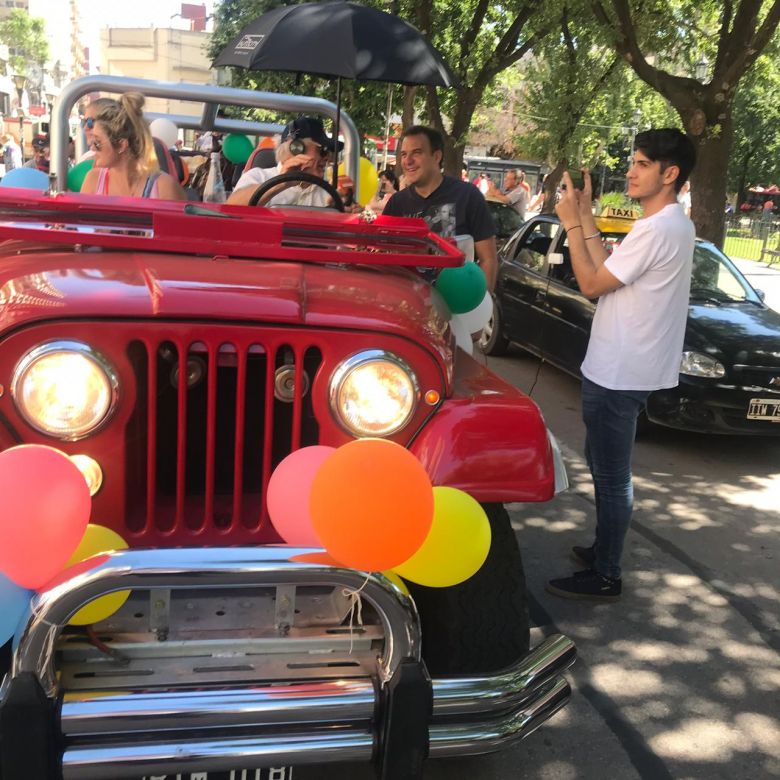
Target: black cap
x=40 y=142
x=309 y=127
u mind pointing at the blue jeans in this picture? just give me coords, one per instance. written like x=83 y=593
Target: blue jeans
x=610 y=421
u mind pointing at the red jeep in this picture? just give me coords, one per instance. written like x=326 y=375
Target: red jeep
x=223 y=335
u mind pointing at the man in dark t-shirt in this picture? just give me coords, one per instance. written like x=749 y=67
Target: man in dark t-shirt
x=450 y=207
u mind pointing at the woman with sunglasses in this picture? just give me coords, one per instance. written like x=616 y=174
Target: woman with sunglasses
x=125 y=164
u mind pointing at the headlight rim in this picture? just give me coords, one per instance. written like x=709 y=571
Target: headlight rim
x=356 y=360
x=65 y=345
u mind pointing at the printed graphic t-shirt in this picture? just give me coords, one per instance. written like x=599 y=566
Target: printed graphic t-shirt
x=454 y=208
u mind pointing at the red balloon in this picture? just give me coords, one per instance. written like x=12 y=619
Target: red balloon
x=288 y=495
x=372 y=504
x=44 y=511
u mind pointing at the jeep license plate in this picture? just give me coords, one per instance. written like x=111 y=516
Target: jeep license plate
x=275 y=773
x=764 y=409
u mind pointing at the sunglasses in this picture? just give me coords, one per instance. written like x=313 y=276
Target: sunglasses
x=88 y=122
x=96 y=145
x=324 y=153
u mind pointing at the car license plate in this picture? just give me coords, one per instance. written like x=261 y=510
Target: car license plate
x=275 y=773
x=764 y=409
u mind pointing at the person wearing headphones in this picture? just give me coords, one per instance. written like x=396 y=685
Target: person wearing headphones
x=304 y=147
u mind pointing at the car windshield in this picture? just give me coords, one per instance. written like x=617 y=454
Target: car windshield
x=506 y=218
x=715 y=277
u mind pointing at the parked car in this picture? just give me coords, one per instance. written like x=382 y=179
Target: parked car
x=183 y=351
x=730 y=365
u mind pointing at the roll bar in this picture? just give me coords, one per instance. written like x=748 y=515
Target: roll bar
x=210 y=98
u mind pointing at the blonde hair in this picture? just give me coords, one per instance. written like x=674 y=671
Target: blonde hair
x=124 y=119
x=98 y=104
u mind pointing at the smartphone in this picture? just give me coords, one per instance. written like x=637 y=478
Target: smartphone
x=577 y=179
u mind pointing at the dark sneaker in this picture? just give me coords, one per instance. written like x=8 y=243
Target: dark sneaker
x=586 y=585
x=584 y=555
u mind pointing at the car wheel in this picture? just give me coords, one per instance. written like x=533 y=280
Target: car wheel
x=482 y=624
x=492 y=341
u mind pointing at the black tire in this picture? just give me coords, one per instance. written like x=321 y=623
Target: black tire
x=482 y=624
x=492 y=341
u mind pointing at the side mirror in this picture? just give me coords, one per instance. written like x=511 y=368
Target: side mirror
x=761 y=295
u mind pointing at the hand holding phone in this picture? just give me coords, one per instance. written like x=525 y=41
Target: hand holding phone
x=577 y=178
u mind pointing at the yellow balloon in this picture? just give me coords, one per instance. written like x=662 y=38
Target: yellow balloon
x=457 y=544
x=368 y=180
x=98 y=539
x=397 y=581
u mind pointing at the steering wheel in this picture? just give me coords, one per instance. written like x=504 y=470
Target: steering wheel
x=298 y=176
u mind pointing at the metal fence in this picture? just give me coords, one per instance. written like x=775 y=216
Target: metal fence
x=753 y=237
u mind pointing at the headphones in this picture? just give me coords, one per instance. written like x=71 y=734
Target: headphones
x=297 y=146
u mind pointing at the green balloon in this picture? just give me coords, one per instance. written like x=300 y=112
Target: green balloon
x=78 y=173
x=462 y=288
x=237 y=148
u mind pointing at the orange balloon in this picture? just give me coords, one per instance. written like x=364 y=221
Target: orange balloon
x=267 y=143
x=371 y=504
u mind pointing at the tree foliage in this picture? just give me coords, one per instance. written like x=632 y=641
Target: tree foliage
x=26 y=36
x=755 y=157
x=662 y=40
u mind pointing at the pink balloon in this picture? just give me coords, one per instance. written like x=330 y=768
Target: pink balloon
x=288 y=495
x=44 y=511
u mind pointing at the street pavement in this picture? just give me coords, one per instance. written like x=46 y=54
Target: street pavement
x=763 y=277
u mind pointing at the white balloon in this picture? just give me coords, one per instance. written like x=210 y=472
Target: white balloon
x=462 y=334
x=165 y=130
x=477 y=318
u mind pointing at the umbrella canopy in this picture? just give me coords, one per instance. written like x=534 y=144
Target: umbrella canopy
x=342 y=40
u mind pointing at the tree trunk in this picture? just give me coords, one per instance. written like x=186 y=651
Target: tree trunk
x=709 y=178
x=407 y=113
x=551 y=186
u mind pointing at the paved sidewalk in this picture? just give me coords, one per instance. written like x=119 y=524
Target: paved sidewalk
x=762 y=277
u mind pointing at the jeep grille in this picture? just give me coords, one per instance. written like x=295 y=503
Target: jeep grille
x=199 y=453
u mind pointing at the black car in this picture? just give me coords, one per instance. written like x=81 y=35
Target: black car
x=730 y=365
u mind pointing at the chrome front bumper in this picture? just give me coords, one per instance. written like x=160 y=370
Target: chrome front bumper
x=136 y=727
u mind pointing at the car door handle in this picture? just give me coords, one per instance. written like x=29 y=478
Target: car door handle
x=540 y=296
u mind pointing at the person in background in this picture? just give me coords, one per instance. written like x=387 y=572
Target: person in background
x=514 y=194
x=123 y=153
x=450 y=206
x=684 y=198
x=41 y=154
x=388 y=186
x=635 y=340
x=12 y=152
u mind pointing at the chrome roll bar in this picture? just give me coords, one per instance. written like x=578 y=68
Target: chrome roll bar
x=209 y=97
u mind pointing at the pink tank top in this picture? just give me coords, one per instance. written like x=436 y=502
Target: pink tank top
x=150 y=188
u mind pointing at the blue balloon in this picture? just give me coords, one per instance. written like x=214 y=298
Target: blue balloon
x=28 y=178
x=14 y=601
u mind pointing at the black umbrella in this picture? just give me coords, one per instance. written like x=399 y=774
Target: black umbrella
x=340 y=40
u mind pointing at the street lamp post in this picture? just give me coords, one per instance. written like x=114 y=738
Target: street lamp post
x=701 y=68
x=633 y=130
x=20 y=81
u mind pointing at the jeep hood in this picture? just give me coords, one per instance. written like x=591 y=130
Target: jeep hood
x=37 y=286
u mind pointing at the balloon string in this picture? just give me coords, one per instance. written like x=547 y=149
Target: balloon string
x=355 y=609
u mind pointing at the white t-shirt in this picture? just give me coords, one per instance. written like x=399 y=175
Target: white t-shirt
x=637 y=335
x=293 y=196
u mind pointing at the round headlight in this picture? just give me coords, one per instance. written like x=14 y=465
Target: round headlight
x=699 y=364
x=64 y=389
x=373 y=393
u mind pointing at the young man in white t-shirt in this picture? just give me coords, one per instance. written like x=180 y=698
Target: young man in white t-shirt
x=636 y=338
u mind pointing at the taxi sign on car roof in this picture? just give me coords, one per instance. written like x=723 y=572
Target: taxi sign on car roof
x=614 y=219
